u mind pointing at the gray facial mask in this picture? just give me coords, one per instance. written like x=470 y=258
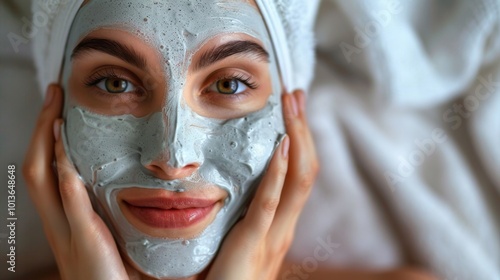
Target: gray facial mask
x=110 y=152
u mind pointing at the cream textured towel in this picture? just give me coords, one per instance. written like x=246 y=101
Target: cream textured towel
x=405 y=110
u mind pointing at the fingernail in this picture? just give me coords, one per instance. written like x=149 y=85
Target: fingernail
x=57 y=128
x=292 y=105
x=49 y=96
x=285 y=146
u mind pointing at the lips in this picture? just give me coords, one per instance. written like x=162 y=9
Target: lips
x=170 y=213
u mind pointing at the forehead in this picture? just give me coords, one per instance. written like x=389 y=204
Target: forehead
x=188 y=20
x=175 y=29
x=249 y=1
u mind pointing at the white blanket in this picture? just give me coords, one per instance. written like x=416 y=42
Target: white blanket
x=408 y=176
x=406 y=113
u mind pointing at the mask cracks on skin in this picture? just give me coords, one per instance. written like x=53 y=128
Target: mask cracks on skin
x=110 y=151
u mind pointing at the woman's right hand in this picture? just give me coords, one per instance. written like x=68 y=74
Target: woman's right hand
x=82 y=244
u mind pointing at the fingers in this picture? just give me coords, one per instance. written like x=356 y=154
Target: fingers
x=79 y=239
x=302 y=154
x=38 y=170
x=302 y=170
x=74 y=196
x=261 y=211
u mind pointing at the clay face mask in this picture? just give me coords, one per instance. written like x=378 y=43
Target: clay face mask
x=111 y=151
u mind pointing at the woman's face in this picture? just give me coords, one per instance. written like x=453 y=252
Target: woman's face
x=172 y=113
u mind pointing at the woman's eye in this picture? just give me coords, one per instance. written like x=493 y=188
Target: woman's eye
x=228 y=86
x=115 y=85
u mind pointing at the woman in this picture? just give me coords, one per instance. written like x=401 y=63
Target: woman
x=155 y=123
x=170 y=118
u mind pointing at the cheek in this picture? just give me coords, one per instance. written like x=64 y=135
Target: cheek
x=241 y=148
x=100 y=146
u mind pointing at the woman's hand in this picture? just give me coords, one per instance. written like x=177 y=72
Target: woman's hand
x=256 y=246
x=82 y=244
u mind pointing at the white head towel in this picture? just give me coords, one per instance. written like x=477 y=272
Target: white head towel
x=290 y=23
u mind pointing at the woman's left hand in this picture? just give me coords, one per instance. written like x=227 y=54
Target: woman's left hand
x=256 y=246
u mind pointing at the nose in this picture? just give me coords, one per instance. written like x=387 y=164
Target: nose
x=163 y=170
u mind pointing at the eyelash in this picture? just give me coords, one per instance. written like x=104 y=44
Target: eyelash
x=99 y=76
x=110 y=73
x=247 y=80
x=242 y=78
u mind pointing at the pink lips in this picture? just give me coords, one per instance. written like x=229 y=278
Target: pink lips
x=170 y=212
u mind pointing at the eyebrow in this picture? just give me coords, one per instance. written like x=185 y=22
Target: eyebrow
x=110 y=47
x=232 y=48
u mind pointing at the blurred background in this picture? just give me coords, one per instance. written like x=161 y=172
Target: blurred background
x=405 y=110
x=20 y=102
